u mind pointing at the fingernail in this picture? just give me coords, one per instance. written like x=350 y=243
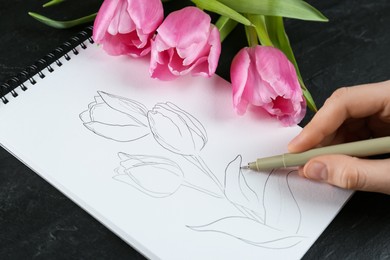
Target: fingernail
x=316 y=171
x=293 y=143
x=300 y=171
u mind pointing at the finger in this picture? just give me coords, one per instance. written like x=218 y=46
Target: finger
x=348 y=102
x=350 y=172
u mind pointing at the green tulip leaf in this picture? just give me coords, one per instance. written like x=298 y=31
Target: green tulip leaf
x=219 y=8
x=62 y=24
x=53 y=2
x=297 y=9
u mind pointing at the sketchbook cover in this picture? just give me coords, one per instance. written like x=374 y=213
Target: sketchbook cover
x=159 y=162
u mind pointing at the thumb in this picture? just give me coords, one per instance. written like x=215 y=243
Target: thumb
x=350 y=172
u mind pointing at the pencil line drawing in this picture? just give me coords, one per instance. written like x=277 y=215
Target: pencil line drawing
x=268 y=215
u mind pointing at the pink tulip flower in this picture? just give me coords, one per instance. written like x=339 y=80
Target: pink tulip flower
x=264 y=77
x=127 y=26
x=186 y=42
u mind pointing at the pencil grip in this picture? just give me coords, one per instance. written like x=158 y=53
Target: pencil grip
x=358 y=149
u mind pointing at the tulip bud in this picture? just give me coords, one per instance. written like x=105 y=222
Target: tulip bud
x=116 y=118
x=186 y=42
x=125 y=27
x=156 y=176
x=176 y=130
x=264 y=77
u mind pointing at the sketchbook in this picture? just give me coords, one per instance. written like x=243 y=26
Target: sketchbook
x=159 y=162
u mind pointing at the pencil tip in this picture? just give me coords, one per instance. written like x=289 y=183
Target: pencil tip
x=245 y=167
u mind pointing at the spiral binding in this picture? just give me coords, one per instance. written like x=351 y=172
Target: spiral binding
x=46 y=62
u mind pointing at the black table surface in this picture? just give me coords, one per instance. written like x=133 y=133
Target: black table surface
x=37 y=221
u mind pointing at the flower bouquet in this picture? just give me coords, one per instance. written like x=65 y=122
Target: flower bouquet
x=188 y=41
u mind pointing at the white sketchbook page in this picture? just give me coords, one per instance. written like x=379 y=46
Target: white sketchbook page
x=175 y=200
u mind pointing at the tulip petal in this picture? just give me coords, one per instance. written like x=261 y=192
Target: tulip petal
x=118 y=133
x=170 y=130
x=126 y=179
x=269 y=81
x=194 y=124
x=176 y=130
x=126 y=26
x=148 y=159
x=251 y=232
x=215 y=50
x=186 y=42
x=239 y=76
x=185 y=27
x=105 y=114
x=153 y=175
x=282 y=210
x=103 y=19
x=120 y=21
x=84 y=116
x=131 y=108
x=147 y=15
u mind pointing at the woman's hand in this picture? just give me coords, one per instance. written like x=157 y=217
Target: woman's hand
x=350 y=114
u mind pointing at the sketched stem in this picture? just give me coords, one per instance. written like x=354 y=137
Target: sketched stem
x=208 y=192
x=198 y=161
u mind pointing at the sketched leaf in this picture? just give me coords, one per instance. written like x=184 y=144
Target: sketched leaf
x=251 y=232
x=237 y=189
x=282 y=210
x=130 y=107
x=118 y=133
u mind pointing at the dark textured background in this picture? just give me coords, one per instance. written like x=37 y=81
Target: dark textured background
x=37 y=221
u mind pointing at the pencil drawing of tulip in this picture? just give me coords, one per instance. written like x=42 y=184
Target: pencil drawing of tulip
x=266 y=213
x=176 y=130
x=155 y=176
x=116 y=118
x=275 y=206
x=251 y=232
x=281 y=208
x=240 y=194
x=180 y=132
x=270 y=219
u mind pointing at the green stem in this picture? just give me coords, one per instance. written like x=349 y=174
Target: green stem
x=63 y=24
x=251 y=36
x=261 y=30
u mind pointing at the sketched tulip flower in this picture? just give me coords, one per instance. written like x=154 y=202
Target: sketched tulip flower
x=180 y=132
x=264 y=77
x=155 y=176
x=116 y=118
x=176 y=130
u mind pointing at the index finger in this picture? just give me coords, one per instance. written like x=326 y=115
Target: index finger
x=347 y=102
